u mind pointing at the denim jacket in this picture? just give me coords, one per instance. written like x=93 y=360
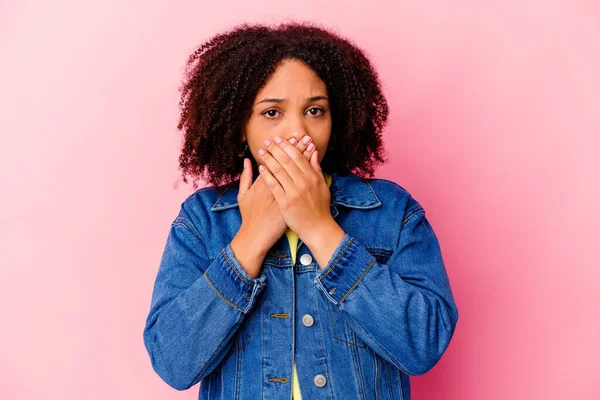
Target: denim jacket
x=380 y=311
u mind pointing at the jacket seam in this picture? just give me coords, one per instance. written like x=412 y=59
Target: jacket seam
x=411 y=213
x=397 y=363
x=359 y=279
x=220 y=294
x=234 y=270
x=338 y=259
x=189 y=226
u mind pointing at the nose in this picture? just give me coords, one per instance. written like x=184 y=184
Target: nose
x=296 y=136
x=296 y=127
x=297 y=133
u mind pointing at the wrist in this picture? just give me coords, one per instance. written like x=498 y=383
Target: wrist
x=323 y=241
x=248 y=252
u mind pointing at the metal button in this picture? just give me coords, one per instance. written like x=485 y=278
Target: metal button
x=320 y=380
x=308 y=320
x=305 y=259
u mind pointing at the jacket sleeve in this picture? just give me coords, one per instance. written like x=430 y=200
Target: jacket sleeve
x=197 y=306
x=404 y=310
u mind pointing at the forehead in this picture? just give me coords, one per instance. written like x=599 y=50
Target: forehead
x=293 y=78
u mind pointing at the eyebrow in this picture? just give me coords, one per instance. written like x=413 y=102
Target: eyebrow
x=274 y=100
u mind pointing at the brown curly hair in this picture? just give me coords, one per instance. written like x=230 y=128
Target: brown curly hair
x=226 y=72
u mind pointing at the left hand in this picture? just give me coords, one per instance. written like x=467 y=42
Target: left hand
x=298 y=185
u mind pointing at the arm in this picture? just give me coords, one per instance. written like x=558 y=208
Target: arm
x=404 y=310
x=196 y=308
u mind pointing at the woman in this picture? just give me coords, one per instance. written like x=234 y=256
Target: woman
x=306 y=277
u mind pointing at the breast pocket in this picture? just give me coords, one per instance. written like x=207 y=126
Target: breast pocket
x=340 y=329
x=381 y=254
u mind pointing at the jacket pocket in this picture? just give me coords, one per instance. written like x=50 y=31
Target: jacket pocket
x=381 y=254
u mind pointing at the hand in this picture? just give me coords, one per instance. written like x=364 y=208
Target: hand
x=298 y=186
x=261 y=218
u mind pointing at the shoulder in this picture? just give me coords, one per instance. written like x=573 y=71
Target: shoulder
x=197 y=207
x=395 y=195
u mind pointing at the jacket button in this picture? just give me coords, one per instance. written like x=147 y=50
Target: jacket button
x=308 y=320
x=305 y=259
x=320 y=380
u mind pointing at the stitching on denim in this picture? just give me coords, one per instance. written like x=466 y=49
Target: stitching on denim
x=238 y=361
x=389 y=379
x=377 y=382
x=180 y=221
x=222 y=344
x=284 y=315
x=324 y=357
x=280 y=255
x=234 y=270
x=400 y=386
x=387 y=353
x=219 y=293
x=411 y=213
x=359 y=279
x=329 y=313
x=379 y=250
x=381 y=254
x=208 y=386
x=373 y=191
x=282 y=380
x=338 y=259
x=222 y=194
x=240 y=338
x=360 y=380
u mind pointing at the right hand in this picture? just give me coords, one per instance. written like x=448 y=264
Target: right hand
x=260 y=214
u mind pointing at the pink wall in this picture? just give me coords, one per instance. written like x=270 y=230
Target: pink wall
x=495 y=117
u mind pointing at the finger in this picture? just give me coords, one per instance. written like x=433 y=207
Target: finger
x=272 y=183
x=301 y=146
x=274 y=165
x=245 y=179
x=309 y=150
x=314 y=162
x=290 y=158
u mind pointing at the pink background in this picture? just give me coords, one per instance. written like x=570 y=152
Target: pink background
x=494 y=125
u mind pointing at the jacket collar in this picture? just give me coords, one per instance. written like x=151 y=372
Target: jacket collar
x=346 y=190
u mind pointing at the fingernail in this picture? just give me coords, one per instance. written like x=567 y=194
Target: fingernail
x=293 y=140
x=267 y=142
x=310 y=147
x=261 y=152
x=277 y=139
x=306 y=139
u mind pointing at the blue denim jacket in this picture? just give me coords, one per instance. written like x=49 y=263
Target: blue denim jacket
x=381 y=309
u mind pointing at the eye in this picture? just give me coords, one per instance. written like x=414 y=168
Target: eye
x=269 y=113
x=316 y=108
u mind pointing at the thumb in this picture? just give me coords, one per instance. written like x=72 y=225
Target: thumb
x=246 y=178
x=314 y=161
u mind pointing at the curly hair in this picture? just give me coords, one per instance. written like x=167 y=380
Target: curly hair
x=223 y=76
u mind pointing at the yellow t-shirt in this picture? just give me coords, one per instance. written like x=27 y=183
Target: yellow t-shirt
x=293 y=239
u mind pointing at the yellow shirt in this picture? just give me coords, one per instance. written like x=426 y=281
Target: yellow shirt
x=293 y=239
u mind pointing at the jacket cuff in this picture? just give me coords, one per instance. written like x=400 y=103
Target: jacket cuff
x=348 y=265
x=229 y=279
